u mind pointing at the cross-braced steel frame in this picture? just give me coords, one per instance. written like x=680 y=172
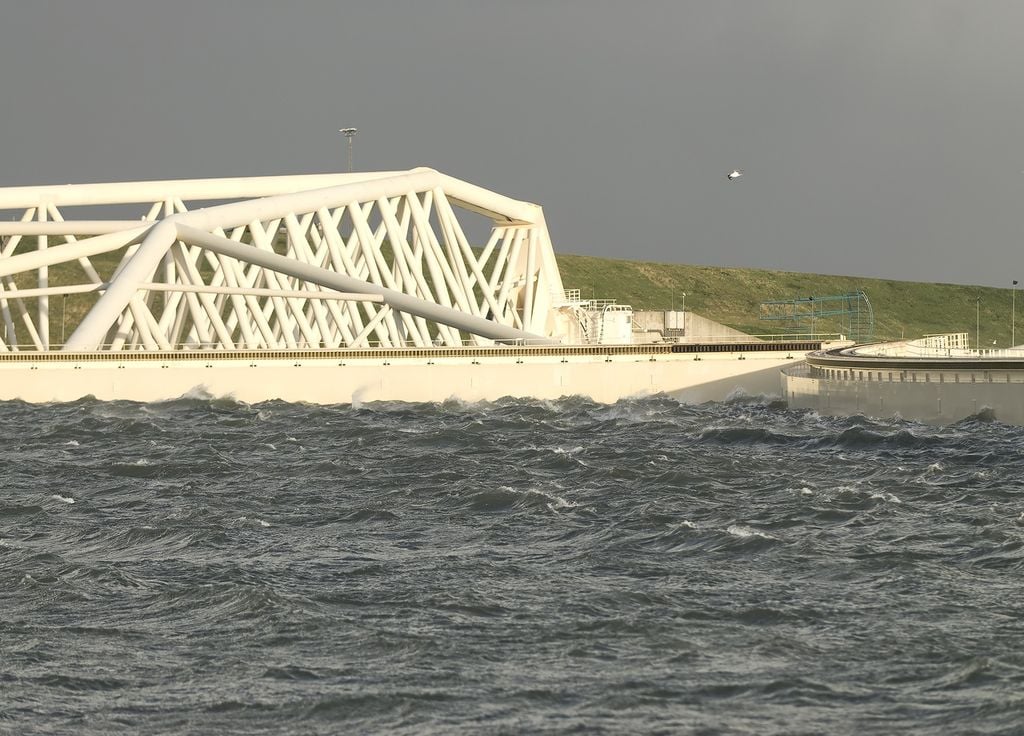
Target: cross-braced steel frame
x=332 y=260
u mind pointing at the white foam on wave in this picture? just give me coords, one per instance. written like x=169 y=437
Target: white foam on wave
x=685 y=523
x=256 y=522
x=657 y=461
x=359 y=397
x=740 y=396
x=62 y=499
x=570 y=452
x=553 y=503
x=71 y=443
x=743 y=532
x=890 y=497
x=844 y=490
x=198 y=393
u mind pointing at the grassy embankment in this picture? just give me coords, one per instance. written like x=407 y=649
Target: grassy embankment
x=732 y=296
x=727 y=295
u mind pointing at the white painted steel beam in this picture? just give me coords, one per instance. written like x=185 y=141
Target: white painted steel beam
x=330 y=279
x=261 y=270
x=135 y=192
x=68 y=227
x=32 y=260
x=203 y=289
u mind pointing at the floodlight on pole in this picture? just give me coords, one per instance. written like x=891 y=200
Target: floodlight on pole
x=350 y=134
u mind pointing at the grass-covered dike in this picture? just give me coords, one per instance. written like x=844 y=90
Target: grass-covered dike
x=727 y=295
x=732 y=296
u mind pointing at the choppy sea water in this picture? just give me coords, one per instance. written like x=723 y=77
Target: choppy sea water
x=518 y=567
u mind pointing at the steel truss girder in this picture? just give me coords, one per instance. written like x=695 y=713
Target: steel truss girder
x=217 y=277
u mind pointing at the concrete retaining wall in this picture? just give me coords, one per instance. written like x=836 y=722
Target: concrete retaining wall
x=651 y=326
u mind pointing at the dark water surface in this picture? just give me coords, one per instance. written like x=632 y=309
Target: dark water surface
x=518 y=567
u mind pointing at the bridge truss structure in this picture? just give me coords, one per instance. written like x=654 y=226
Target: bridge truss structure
x=273 y=263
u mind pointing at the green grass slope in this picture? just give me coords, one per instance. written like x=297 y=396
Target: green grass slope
x=727 y=295
x=732 y=296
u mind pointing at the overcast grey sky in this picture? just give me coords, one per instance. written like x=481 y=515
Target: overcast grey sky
x=878 y=138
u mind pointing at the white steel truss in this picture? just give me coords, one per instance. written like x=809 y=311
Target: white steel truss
x=318 y=261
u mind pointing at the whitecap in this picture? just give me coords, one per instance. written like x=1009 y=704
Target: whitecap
x=569 y=452
x=71 y=443
x=62 y=499
x=557 y=502
x=741 y=531
x=197 y=393
x=554 y=502
x=560 y=503
x=891 y=498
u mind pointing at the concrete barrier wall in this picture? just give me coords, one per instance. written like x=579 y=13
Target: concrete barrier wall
x=934 y=403
x=652 y=327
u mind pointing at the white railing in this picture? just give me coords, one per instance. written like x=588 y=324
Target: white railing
x=952 y=345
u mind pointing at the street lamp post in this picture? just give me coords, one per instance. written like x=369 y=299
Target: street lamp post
x=977 y=325
x=1013 y=315
x=812 y=316
x=350 y=134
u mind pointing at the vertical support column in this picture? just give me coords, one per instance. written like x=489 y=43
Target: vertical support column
x=43 y=315
x=167 y=300
x=531 y=265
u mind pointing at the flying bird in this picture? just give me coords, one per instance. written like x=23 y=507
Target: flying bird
x=736 y=174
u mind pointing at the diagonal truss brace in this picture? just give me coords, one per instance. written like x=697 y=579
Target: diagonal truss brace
x=91 y=332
